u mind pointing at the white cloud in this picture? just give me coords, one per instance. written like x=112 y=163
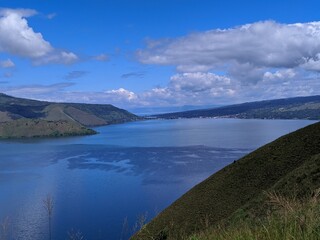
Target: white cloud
x=57 y=56
x=24 y=12
x=7 y=63
x=263 y=60
x=285 y=74
x=243 y=52
x=273 y=86
x=198 y=81
x=190 y=89
x=122 y=94
x=159 y=97
x=18 y=38
x=60 y=92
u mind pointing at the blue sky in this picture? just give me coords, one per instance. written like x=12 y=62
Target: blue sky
x=135 y=53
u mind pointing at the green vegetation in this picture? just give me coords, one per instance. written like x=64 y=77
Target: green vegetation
x=29 y=118
x=291 y=218
x=29 y=128
x=291 y=164
x=289 y=108
x=12 y=108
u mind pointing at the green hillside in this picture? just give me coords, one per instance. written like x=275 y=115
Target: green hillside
x=290 y=164
x=29 y=128
x=30 y=118
x=12 y=108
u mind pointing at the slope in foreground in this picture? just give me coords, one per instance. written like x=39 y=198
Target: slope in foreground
x=290 y=163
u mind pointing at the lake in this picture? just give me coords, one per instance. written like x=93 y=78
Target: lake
x=101 y=184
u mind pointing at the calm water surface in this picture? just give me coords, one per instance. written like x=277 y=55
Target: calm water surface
x=125 y=171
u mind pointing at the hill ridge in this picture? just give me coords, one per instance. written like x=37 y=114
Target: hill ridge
x=72 y=118
x=284 y=108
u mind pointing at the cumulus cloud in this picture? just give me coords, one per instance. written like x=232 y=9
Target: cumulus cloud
x=7 y=63
x=198 y=81
x=18 y=38
x=218 y=91
x=24 y=12
x=59 y=92
x=122 y=94
x=209 y=88
x=285 y=74
x=56 y=56
x=245 y=52
x=263 y=60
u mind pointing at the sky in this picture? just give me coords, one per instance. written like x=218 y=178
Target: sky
x=159 y=53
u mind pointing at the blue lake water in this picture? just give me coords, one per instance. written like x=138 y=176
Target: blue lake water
x=127 y=170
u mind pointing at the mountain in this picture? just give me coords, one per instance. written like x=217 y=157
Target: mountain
x=288 y=108
x=290 y=164
x=147 y=111
x=69 y=118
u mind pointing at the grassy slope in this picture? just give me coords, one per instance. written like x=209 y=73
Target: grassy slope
x=29 y=128
x=241 y=185
x=29 y=118
x=290 y=218
x=290 y=210
x=85 y=114
x=98 y=114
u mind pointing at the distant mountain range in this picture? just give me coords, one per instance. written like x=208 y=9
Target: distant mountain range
x=30 y=118
x=289 y=108
x=289 y=166
x=39 y=118
x=147 y=111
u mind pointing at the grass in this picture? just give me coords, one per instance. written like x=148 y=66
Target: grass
x=31 y=128
x=288 y=218
x=24 y=118
x=289 y=164
x=291 y=218
x=86 y=114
